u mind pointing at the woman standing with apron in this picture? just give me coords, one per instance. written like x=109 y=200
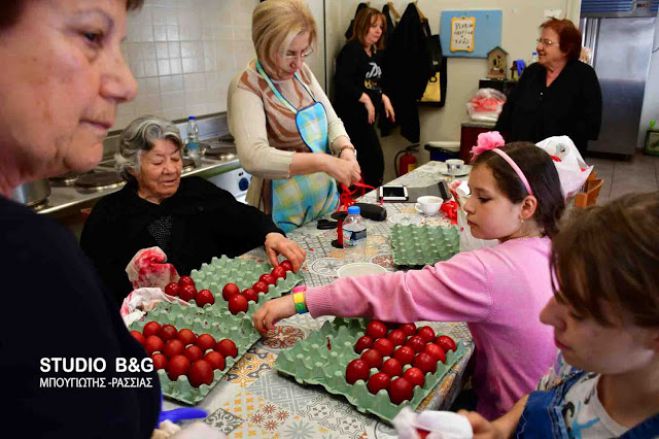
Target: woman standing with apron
x=287 y=133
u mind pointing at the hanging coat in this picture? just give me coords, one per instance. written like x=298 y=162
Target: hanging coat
x=348 y=33
x=407 y=68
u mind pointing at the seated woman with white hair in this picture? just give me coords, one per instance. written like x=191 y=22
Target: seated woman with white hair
x=190 y=219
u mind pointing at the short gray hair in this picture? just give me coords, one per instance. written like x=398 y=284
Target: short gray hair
x=140 y=136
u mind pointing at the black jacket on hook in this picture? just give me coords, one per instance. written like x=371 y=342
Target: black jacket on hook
x=390 y=26
x=348 y=33
x=408 y=67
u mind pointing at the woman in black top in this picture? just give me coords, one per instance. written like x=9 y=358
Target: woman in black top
x=190 y=219
x=559 y=95
x=358 y=94
x=63 y=75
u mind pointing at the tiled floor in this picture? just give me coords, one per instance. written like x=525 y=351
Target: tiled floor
x=640 y=174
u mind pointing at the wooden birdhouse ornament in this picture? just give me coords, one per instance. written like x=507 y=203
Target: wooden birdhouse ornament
x=497 y=63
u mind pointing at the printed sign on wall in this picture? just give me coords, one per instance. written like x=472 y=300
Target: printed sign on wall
x=470 y=33
x=462 y=34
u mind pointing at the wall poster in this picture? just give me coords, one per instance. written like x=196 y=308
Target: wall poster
x=462 y=34
x=470 y=33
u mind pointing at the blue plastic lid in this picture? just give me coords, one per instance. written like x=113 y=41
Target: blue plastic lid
x=354 y=210
x=192 y=118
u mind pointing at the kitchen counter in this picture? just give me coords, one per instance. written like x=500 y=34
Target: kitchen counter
x=63 y=200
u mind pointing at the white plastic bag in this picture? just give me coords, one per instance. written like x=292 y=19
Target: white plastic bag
x=149 y=268
x=486 y=105
x=572 y=169
x=438 y=424
x=142 y=300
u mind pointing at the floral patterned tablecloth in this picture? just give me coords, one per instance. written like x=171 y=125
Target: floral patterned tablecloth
x=254 y=401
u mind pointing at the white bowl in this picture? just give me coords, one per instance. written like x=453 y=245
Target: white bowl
x=360 y=269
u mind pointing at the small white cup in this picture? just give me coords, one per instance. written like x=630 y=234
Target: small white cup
x=428 y=205
x=455 y=166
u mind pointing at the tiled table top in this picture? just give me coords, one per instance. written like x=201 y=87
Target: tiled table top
x=253 y=400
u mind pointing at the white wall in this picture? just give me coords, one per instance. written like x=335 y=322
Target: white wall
x=185 y=52
x=521 y=19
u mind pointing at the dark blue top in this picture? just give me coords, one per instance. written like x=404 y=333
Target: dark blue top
x=55 y=306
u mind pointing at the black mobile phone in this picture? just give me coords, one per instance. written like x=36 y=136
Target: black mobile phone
x=393 y=193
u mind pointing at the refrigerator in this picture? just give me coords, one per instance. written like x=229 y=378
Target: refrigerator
x=621 y=48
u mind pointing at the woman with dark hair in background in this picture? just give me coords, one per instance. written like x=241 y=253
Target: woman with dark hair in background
x=359 y=97
x=557 y=96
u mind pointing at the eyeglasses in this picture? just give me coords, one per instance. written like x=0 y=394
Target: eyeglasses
x=546 y=42
x=291 y=56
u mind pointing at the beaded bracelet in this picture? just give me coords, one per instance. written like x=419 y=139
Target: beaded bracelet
x=298 y=299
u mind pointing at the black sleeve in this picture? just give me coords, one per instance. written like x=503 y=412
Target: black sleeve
x=248 y=223
x=588 y=126
x=348 y=83
x=505 y=122
x=63 y=312
x=103 y=244
x=238 y=227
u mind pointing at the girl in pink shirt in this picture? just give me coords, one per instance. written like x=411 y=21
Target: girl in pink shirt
x=499 y=291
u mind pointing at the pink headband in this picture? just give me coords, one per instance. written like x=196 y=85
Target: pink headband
x=491 y=141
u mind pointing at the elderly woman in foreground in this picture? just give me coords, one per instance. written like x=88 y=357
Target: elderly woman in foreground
x=191 y=220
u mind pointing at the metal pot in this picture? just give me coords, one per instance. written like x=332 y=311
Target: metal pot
x=32 y=193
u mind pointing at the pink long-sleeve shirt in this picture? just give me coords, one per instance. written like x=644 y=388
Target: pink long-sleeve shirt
x=498 y=291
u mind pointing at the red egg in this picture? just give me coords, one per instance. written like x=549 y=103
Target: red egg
x=376 y=329
x=397 y=337
x=201 y=372
x=446 y=343
x=426 y=333
x=372 y=357
x=400 y=390
x=229 y=290
x=227 y=348
x=215 y=359
x=408 y=328
x=205 y=342
x=404 y=354
x=159 y=361
x=378 y=382
x=238 y=303
x=173 y=348
x=177 y=366
x=364 y=342
x=356 y=370
x=392 y=367
x=415 y=376
x=425 y=362
x=384 y=345
x=151 y=328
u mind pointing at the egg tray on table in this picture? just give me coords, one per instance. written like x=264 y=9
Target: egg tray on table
x=414 y=245
x=312 y=362
x=216 y=319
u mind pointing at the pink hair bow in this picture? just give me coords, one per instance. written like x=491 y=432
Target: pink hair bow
x=486 y=142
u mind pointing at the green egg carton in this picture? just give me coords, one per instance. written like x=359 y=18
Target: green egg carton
x=216 y=319
x=414 y=245
x=322 y=358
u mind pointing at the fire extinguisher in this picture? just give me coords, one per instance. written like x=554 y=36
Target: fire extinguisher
x=405 y=160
